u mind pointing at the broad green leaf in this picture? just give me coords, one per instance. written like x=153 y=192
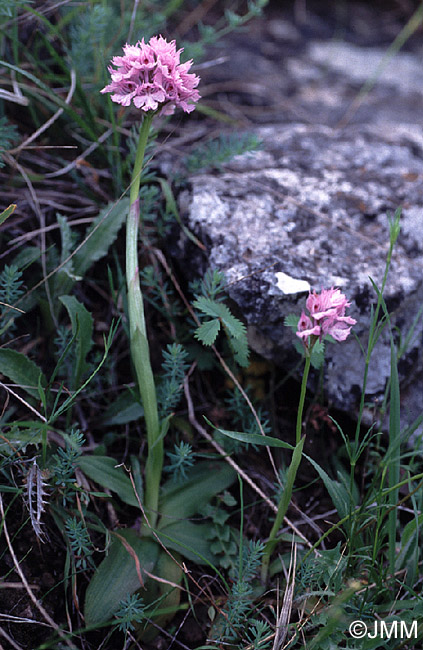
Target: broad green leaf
x=21 y=370
x=117 y=576
x=82 y=327
x=207 y=332
x=124 y=409
x=337 y=491
x=190 y=540
x=7 y=212
x=183 y=500
x=252 y=438
x=161 y=594
x=103 y=470
x=17 y=439
x=100 y=236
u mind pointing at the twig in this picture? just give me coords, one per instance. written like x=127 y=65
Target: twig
x=93 y=146
x=283 y=618
x=21 y=399
x=50 y=121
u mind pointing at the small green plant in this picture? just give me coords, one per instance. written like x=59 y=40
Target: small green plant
x=235 y=615
x=131 y=610
x=80 y=543
x=223 y=538
x=170 y=387
x=180 y=460
x=210 y=305
x=63 y=465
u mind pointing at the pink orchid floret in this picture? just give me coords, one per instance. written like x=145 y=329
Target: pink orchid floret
x=151 y=76
x=306 y=328
x=327 y=317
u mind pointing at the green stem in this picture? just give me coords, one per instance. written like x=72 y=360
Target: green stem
x=140 y=352
x=302 y=399
x=290 y=477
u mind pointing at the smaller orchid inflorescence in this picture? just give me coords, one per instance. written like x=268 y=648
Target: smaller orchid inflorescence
x=327 y=317
x=151 y=76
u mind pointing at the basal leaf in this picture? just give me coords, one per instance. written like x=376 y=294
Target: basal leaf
x=162 y=595
x=183 y=500
x=103 y=470
x=190 y=540
x=22 y=371
x=117 y=576
x=124 y=409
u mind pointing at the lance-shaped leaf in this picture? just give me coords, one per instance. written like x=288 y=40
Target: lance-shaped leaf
x=252 y=438
x=119 y=575
x=182 y=500
x=104 y=471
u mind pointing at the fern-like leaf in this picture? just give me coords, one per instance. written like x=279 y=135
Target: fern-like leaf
x=240 y=350
x=208 y=331
x=236 y=329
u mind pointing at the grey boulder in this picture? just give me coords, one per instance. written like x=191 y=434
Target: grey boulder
x=311 y=210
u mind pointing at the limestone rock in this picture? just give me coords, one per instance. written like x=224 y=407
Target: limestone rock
x=311 y=209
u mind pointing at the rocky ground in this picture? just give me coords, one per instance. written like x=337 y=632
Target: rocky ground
x=337 y=105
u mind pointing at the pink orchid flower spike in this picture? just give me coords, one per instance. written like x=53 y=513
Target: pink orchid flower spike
x=151 y=77
x=327 y=317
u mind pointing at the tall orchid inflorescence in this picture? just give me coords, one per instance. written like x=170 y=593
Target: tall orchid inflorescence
x=151 y=76
x=327 y=317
